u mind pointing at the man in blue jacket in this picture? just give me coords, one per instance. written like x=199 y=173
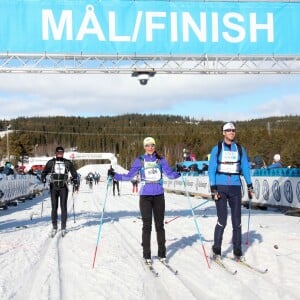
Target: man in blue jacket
x=228 y=160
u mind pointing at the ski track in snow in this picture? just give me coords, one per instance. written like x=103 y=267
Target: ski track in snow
x=45 y=280
x=37 y=267
x=160 y=285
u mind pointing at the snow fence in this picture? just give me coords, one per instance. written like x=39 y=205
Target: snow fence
x=279 y=187
x=18 y=188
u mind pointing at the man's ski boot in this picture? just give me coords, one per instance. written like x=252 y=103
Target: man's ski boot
x=215 y=253
x=238 y=254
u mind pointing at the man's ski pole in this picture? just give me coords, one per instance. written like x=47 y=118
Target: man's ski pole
x=249 y=215
x=109 y=180
x=73 y=206
x=195 y=221
x=42 y=207
x=42 y=202
x=169 y=221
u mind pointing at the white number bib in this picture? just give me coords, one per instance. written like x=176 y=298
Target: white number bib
x=228 y=168
x=229 y=162
x=59 y=167
x=152 y=172
x=230 y=156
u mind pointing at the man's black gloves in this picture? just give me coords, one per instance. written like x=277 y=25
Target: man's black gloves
x=250 y=190
x=214 y=192
x=76 y=187
x=75 y=184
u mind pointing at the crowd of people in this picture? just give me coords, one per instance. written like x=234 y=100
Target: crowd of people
x=259 y=163
x=92 y=178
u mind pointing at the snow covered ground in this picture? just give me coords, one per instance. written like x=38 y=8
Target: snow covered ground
x=34 y=266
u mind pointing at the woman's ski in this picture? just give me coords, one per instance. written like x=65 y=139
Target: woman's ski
x=149 y=265
x=166 y=264
x=217 y=259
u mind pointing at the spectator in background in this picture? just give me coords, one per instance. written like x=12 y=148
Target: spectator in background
x=90 y=178
x=111 y=173
x=96 y=177
x=21 y=169
x=276 y=162
x=204 y=167
x=7 y=170
x=258 y=162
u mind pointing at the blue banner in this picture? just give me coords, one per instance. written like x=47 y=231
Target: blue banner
x=149 y=27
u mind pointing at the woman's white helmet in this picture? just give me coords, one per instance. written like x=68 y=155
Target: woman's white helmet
x=276 y=157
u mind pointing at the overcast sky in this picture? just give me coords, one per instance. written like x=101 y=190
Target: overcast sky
x=213 y=97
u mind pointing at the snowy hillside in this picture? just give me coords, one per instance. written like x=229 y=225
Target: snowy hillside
x=36 y=267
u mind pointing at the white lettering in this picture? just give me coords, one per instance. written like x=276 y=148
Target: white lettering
x=254 y=27
x=235 y=27
x=188 y=22
x=231 y=27
x=150 y=25
x=137 y=26
x=95 y=29
x=113 y=37
x=57 y=31
x=174 y=27
x=215 y=27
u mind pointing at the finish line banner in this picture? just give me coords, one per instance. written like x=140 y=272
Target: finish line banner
x=149 y=27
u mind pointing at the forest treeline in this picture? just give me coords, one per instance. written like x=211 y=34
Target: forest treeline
x=123 y=135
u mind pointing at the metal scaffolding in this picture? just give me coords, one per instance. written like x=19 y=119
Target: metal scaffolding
x=128 y=64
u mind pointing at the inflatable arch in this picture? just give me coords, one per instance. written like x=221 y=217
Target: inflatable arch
x=74 y=156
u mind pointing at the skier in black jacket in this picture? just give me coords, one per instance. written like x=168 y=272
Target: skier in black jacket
x=59 y=168
x=110 y=173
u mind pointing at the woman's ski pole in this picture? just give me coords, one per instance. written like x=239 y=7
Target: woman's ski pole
x=195 y=221
x=167 y=222
x=109 y=180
